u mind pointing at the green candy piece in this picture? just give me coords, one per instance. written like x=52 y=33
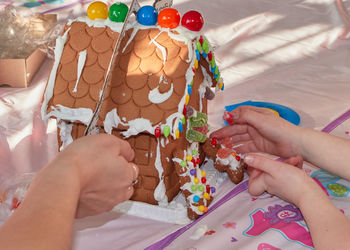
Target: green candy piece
x=191 y=82
x=199 y=46
x=201 y=188
x=183 y=120
x=194 y=152
x=205 y=47
x=183 y=164
x=199 y=120
x=194 y=188
x=202 y=116
x=195 y=136
x=216 y=71
x=218 y=77
x=338 y=189
x=213 y=63
x=166 y=131
x=118 y=12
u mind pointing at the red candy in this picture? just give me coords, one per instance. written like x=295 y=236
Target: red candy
x=210 y=56
x=184 y=111
x=204 y=180
x=214 y=141
x=238 y=158
x=228 y=117
x=157 y=132
x=208 y=189
x=224 y=153
x=169 y=18
x=198 y=161
x=201 y=40
x=192 y=20
x=194 y=162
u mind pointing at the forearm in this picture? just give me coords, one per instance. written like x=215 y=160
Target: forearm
x=44 y=218
x=326 y=151
x=329 y=228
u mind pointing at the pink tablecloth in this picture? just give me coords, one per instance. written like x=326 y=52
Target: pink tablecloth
x=294 y=53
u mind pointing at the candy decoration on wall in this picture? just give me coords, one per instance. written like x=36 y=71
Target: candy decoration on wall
x=169 y=18
x=147 y=15
x=118 y=12
x=97 y=10
x=192 y=20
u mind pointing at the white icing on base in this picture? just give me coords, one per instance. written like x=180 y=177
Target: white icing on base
x=111 y=121
x=81 y=64
x=65 y=133
x=155 y=96
x=137 y=126
x=231 y=161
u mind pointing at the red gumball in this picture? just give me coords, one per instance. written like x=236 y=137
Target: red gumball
x=192 y=20
x=169 y=18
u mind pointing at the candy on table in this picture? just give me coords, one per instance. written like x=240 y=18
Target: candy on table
x=118 y=12
x=97 y=10
x=169 y=18
x=192 y=20
x=147 y=15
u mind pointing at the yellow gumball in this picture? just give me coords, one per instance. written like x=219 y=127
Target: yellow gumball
x=97 y=10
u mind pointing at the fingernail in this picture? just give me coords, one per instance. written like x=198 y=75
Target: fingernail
x=248 y=159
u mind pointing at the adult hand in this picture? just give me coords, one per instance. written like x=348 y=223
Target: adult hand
x=260 y=130
x=102 y=164
x=284 y=179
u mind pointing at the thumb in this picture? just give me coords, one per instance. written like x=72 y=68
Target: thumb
x=261 y=163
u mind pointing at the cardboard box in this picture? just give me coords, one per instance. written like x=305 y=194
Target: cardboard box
x=18 y=73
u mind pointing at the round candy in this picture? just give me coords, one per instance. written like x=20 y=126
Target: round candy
x=147 y=15
x=196 y=198
x=169 y=18
x=97 y=10
x=192 y=20
x=201 y=188
x=224 y=153
x=118 y=12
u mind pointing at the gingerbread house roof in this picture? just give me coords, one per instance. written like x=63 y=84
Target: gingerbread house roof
x=148 y=81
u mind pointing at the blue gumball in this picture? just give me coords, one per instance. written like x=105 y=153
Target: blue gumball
x=147 y=15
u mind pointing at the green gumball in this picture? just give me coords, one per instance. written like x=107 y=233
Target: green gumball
x=118 y=12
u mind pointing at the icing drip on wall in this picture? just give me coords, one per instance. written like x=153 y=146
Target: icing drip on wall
x=83 y=115
x=159 y=192
x=160 y=47
x=81 y=64
x=155 y=96
x=60 y=42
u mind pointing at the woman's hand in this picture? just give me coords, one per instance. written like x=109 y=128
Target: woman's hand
x=102 y=164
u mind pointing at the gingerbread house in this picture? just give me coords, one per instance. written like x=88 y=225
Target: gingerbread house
x=156 y=100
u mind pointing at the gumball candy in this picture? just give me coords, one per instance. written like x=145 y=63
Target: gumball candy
x=169 y=18
x=97 y=10
x=118 y=12
x=147 y=15
x=192 y=20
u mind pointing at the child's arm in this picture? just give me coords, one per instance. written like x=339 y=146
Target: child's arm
x=329 y=228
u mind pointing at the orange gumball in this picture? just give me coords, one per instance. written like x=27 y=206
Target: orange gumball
x=169 y=18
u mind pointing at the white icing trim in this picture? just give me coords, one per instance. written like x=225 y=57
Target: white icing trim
x=155 y=96
x=160 y=47
x=81 y=64
x=83 y=115
x=60 y=42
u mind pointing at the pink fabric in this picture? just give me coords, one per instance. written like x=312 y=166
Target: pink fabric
x=294 y=53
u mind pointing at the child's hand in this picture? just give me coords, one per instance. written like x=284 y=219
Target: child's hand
x=102 y=164
x=260 y=130
x=286 y=181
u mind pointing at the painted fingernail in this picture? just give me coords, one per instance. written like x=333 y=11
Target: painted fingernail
x=248 y=159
